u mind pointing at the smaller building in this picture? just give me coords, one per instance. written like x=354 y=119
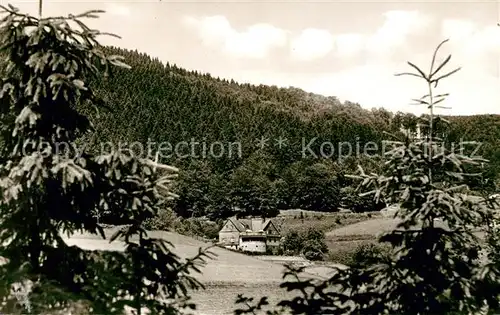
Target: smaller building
x=250 y=234
x=252 y=242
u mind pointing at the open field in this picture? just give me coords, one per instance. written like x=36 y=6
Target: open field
x=343 y=241
x=369 y=229
x=232 y=273
x=292 y=220
x=227 y=275
x=344 y=232
x=366 y=229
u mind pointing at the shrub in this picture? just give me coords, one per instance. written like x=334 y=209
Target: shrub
x=352 y=200
x=368 y=254
x=342 y=254
x=163 y=221
x=310 y=243
x=197 y=227
x=358 y=253
x=211 y=230
x=293 y=242
x=314 y=249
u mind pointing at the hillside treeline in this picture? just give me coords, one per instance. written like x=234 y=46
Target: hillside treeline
x=162 y=105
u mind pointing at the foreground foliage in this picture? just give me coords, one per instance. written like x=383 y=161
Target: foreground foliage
x=50 y=186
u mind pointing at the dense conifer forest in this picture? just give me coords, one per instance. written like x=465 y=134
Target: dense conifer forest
x=154 y=103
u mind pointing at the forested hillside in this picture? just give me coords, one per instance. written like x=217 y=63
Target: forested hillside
x=484 y=129
x=161 y=103
x=165 y=103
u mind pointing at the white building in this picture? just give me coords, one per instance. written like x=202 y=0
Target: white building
x=252 y=234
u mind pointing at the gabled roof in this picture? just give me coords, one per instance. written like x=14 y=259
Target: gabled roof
x=274 y=223
x=239 y=226
x=254 y=225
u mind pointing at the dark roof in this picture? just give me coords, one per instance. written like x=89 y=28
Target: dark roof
x=254 y=225
x=239 y=226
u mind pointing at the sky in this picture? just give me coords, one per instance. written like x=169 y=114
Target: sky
x=347 y=49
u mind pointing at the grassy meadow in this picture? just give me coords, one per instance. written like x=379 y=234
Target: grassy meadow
x=344 y=232
x=225 y=276
x=231 y=273
x=323 y=221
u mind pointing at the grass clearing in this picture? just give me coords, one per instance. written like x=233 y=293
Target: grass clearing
x=227 y=275
x=292 y=220
x=220 y=299
x=366 y=228
x=344 y=232
x=344 y=241
x=232 y=273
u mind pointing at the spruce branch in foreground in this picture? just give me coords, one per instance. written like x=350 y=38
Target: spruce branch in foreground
x=48 y=189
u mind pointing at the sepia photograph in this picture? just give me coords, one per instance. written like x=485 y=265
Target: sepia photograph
x=231 y=157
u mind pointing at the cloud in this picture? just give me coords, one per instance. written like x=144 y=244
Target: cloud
x=254 y=42
x=485 y=41
x=470 y=40
x=213 y=30
x=349 y=44
x=398 y=25
x=393 y=33
x=472 y=90
x=311 y=44
x=257 y=40
x=456 y=29
x=474 y=48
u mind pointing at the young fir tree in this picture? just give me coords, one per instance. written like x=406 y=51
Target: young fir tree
x=434 y=266
x=49 y=186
